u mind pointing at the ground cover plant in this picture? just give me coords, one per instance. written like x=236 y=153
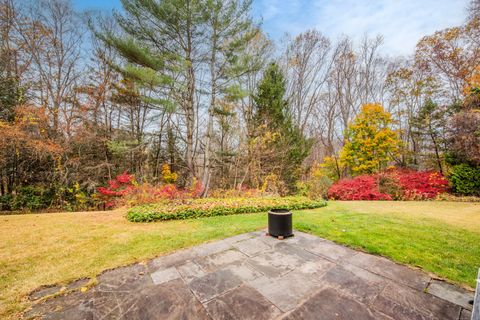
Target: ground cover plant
x=208 y=207
x=440 y=237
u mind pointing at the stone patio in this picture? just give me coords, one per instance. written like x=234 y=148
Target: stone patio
x=253 y=276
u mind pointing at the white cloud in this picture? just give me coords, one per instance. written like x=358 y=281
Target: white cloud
x=401 y=22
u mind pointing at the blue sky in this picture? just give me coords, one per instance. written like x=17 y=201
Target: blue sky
x=401 y=22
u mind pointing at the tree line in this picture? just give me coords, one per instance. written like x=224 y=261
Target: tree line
x=198 y=85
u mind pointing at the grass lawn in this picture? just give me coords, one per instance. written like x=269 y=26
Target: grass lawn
x=441 y=237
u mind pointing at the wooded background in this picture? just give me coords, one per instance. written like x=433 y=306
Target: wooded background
x=197 y=85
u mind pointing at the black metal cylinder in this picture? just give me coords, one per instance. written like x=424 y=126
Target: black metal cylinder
x=280 y=223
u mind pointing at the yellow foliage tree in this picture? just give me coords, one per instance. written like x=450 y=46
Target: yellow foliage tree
x=370 y=142
x=167 y=175
x=318 y=180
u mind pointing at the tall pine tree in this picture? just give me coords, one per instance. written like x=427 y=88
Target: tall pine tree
x=229 y=29
x=161 y=42
x=287 y=147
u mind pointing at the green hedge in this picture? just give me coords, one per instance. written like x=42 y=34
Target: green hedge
x=31 y=198
x=210 y=207
x=465 y=180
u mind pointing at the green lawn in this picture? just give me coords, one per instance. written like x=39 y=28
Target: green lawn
x=441 y=237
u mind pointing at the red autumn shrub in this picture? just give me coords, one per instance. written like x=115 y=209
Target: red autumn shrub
x=359 y=188
x=420 y=185
x=122 y=185
x=170 y=191
x=124 y=191
x=196 y=190
x=125 y=178
x=396 y=184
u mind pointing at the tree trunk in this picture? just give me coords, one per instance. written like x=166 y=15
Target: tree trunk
x=206 y=165
x=190 y=119
x=190 y=105
x=437 y=153
x=213 y=88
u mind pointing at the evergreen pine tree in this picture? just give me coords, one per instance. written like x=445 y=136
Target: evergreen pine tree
x=160 y=42
x=273 y=116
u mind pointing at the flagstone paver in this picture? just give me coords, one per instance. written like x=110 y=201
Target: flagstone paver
x=451 y=293
x=288 y=291
x=391 y=270
x=190 y=270
x=357 y=282
x=212 y=248
x=242 y=303
x=213 y=284
x=272 y=264
x=161 y=276
x=251 y=247
x=244 y=271
x=77 y=284
x=44 y=292
x=173 y=259
x=253 y=276
x=218 y=260
x=406 y=303
x=331 y=251
x=328 y=304
x=173 y=300
x=75 y=306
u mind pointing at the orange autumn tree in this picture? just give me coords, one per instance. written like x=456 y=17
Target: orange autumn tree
x=25 y=141
x=370 y=142
x=473 y=83
x=450 y=56
x=465 y=124
x=29 y=131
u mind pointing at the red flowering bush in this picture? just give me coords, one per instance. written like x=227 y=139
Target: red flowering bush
x=359 y=188
x=170 y=191
x=420 y=185
x=396 y=184
x=122 y=185
x=124 y=191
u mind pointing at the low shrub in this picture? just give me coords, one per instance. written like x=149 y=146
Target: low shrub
x=359 y=188
x=317 y=183
x=421 y=185
x=124 y=190
x=48 y=198
x=208 y=207
x=6 y=202
x=396 y=184
x=465 y=180
x=75 y=198
x=389 y=183
x=122 y=185
x=32 y=198
x=170 y=191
